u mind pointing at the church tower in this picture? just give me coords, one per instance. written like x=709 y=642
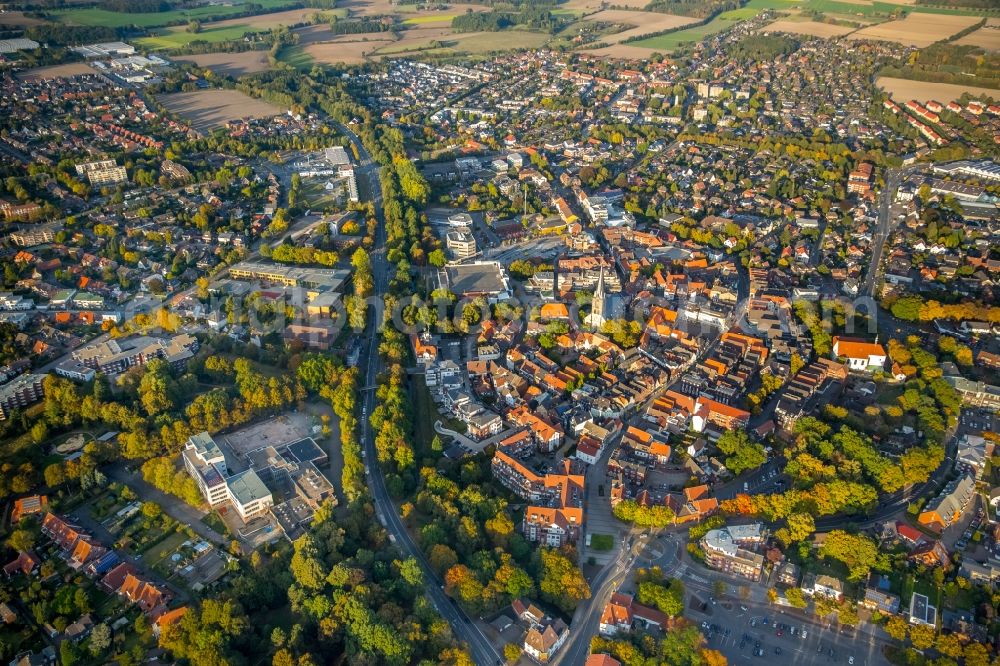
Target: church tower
x=596 y=318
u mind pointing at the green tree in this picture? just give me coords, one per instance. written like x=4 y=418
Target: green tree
x=897 y=628
x=100 y=639
x=858 y=552
x=741 y=453
x=21 y=540
x=560 y=581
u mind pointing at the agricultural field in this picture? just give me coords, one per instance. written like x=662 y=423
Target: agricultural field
x=476 y=43
x=18 y=20
x=590 y=6
x=386 y=8
x=318 y=43
x=94 y=16
x=231 y=64
x=347 y=49
x=903 y=90
x=56 y=71
x=209 y=109
x=882 y=8
x=644 y=22
x=230 y=29
x=724 y=21
x=916 y=29
x=171 y=38
x=811 y=28
x=987 y=37
x=429 y=18
x=621 y=51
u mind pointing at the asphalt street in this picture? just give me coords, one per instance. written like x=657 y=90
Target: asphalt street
x=462 y=626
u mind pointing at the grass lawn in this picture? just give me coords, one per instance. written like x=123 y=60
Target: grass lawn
x=157 y=554
x=602 y=541
x=102 y=17
x=213 y=520
x=313 y=195
x=177 y=36
x=423 y=405
x=297 y=57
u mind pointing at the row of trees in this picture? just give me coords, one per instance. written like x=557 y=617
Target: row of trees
x=913 y=307
x=286 y=253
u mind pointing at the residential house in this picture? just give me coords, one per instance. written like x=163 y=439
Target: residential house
x=949 y=504
x=921 y=611
x=28 y=506
x=544 y=639
x=24 y=564
x=930 y=554
x=697 y=504
x=823 y=585
x=623 y=612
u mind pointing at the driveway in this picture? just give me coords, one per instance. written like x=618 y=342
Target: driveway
x=174 y=507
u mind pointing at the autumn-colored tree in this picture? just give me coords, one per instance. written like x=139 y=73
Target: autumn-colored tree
x=713 y=658
x=922 y=636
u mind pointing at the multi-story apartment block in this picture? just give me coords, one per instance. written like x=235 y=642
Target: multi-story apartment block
x=726 y=550
x=21 y=392
x=104 y=172
x=555 y=513
x=819 y=378
x=114 y=357
x=36 y=234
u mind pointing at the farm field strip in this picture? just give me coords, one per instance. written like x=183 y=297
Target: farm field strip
x=101 y=17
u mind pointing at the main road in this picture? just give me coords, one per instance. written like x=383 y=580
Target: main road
x=463 y=627
x=893 y=179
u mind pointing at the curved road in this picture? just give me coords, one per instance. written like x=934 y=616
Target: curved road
x=462 y=626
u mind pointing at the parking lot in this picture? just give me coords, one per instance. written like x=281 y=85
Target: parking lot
x=748 y=637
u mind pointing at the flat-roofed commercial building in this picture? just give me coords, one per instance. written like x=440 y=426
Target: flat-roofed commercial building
x=311 y=279
x=481 y=278
x=204 y=461
x=461 y=243
x=248 y=494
